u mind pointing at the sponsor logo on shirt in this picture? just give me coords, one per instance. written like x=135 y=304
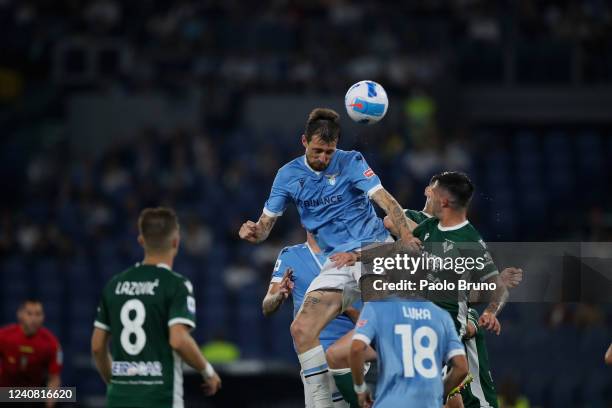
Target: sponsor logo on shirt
x=136 y=368
x=316 y=202
x=26 y=349
x=369 y=172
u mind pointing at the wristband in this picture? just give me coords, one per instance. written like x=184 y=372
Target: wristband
x=360 y=388
x=208 y=371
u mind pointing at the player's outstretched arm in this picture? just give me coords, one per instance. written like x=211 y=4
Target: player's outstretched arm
x=182 y=342
x=256 y=232
x=278 y=292
x=101 y=355
x=357 y=358
x=457 y=373
x=396 y=215
x=497 y=301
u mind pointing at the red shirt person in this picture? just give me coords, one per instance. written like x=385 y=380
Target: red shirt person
x=30 y=355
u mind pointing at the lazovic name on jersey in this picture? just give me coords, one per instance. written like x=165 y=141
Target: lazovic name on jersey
x=136 y=288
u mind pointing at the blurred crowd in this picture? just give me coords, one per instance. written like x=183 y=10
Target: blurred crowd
x=303 y=45
x=63 y=207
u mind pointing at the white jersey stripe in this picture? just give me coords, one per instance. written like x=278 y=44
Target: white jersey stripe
x=474 y=367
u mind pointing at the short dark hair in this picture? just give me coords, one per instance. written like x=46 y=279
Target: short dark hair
x=29 y=300
x=157 y=226
x=457 y=184
x=324 y=123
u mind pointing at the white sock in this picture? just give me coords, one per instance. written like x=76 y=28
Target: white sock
x=316 y=375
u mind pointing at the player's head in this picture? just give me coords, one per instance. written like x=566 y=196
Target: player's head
x=450 y=190
x=321 y=137
x=158 y=231
x=30 y=316
x=428 y=208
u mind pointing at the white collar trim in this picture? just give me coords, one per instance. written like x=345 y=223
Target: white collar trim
x=427 y=215
x=310 y=168
x=314 y=255
x=453 y=227
x=163 y=265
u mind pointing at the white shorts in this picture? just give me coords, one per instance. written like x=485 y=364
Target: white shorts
x=345 y=279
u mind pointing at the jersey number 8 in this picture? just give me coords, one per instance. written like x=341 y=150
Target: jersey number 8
x=414 y=353
x=133 y=327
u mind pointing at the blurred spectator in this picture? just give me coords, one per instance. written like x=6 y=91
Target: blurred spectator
x=30 y=355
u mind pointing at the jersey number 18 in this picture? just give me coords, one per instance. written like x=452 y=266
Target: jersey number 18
x=414 y=354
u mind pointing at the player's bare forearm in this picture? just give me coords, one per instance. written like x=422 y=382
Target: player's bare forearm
x=356 y=360
x=103 y=363
x=458 y=371
x=99 y=351
x=265 y=224
x=401 y=224
x=498 y=298
x=256 y=232
x=186 y=347
x=272 y=301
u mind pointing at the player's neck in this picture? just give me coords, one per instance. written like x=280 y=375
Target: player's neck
x=26 y=332
x=451 y=219
x=155 y=259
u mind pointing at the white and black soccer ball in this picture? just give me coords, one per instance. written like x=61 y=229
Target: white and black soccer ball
x=366 y=102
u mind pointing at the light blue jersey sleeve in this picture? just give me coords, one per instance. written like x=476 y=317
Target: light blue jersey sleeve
x=279 y=194
x=365 y=329
x=362 y=175
x=453 y=346
x=280 y=265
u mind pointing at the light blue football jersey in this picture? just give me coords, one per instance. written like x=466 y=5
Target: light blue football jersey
x=333 y=204
x=306 y=266
x=413 y=339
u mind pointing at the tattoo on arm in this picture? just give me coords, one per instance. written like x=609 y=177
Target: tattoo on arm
x=266 y=223
x=500 y=296
x=271 y=304
x=394 y=211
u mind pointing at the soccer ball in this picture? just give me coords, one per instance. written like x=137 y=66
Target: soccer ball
x=366 y=102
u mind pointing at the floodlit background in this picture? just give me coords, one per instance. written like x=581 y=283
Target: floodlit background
x=109 y=106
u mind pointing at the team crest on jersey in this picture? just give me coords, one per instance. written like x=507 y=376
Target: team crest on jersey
x=426 y=236
x=278 y=264
x=447 y=245
x=331 y=179
x=301 y=181
x=369 y=172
